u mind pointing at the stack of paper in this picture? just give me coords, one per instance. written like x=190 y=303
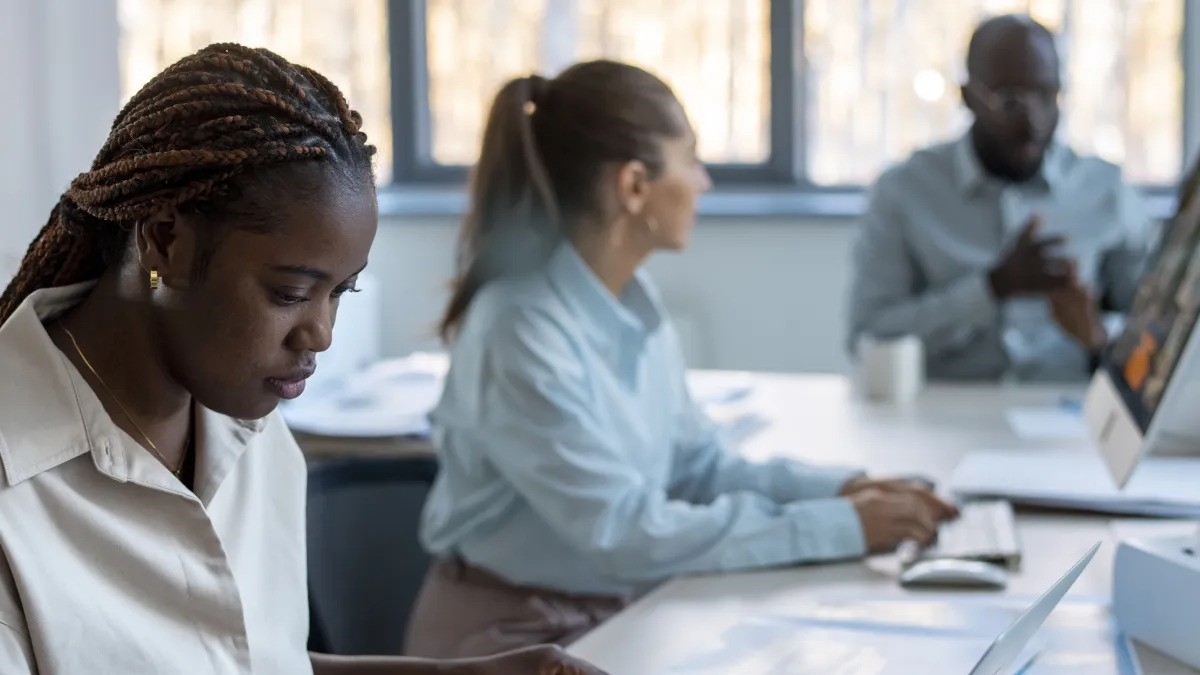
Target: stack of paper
x=1160 y=486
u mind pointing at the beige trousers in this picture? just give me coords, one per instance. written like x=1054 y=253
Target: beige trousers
x=464 y=611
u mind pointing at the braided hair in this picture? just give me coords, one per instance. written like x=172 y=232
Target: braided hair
x=192 y=138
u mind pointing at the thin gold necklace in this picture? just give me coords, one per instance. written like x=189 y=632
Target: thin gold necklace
x=120 y=405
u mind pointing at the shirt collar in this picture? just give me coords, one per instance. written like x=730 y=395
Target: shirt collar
x=610 y=322
x=1054 y=166
x=971 y=175
x=49 y=415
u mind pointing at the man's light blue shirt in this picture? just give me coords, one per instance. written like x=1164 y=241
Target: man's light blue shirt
x=573 y=458
x=937 y=224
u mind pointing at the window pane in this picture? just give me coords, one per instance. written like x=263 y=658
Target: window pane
x=719 y=70
x=884 y=75
x=344 y=40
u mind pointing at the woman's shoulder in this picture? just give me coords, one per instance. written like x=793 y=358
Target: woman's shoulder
x=524 y=291
x=519 y=308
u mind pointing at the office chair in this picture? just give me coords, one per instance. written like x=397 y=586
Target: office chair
x=365 y=563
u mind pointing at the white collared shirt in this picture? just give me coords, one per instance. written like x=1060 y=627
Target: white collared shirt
x=108 y=564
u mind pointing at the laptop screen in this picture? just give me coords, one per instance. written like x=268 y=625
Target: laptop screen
x=1006 y=653
x=1143 y=357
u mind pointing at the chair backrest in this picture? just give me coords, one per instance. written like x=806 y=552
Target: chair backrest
x=365 y=563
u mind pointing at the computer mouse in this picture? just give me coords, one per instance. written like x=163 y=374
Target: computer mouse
x=950 y=572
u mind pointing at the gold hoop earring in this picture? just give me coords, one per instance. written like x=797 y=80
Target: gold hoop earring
x=153 y=278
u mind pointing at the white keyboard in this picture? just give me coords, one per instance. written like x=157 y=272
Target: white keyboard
x=985 y=531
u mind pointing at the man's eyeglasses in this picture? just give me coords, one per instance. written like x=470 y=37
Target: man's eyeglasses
x=1011 y=101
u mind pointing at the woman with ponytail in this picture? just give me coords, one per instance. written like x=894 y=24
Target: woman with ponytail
x=576 y=472
x=151 y=502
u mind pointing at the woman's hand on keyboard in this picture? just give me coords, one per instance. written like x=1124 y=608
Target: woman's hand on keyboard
x=942 y=509
x=892 y=511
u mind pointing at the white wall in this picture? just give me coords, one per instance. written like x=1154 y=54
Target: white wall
x=757 y=294
x=58 y=60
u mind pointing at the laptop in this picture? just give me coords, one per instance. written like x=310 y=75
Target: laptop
x=1002 y=656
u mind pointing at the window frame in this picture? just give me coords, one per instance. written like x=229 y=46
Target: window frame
x=413 y=164
x=421 y=185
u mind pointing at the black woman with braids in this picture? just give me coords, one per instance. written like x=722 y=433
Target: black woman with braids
x=151 y=501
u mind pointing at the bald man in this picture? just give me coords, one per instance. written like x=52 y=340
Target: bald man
x=1001 y=249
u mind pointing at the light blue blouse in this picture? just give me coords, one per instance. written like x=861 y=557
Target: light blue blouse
x=573 y=458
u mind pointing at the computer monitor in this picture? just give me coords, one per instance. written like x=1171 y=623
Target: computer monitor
x=1145 y=397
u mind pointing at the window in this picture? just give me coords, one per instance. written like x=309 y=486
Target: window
x=345 y=40
x=881 y=76
x=451 y=56
x=883 y=79
x=809 y=93
x=720 y=72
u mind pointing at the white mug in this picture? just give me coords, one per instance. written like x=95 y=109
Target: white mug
x=891 y=369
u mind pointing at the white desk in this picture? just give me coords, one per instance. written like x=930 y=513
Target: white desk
x=818 y=419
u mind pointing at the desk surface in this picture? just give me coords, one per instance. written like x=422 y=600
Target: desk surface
x=818 y=419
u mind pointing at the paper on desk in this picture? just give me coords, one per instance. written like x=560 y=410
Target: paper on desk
x=1160 y=486
x=765 y=646
x=729 y=399
x=709 y=387
x=1140 y=528
x=853 y=634
x=391 y=398
x=399 y=411
x=394 y=398
x=1049 y=423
